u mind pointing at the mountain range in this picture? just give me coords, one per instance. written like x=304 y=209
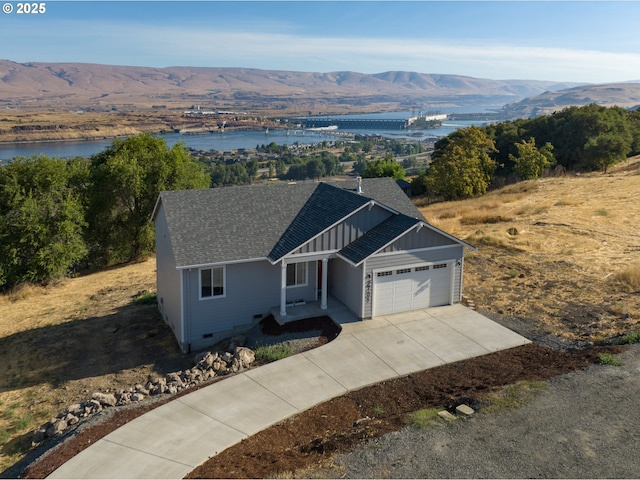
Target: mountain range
x=82 y=85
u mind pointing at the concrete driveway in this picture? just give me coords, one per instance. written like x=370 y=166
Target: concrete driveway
x=169 y=441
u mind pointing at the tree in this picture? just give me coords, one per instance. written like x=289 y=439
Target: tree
x=461 y=167
x=315 y=168
x=126 y=179
x=41 y=221
x=531 y=162
x=386 y=167
x=606 y=149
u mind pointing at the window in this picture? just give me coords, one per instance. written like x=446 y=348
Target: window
x=440 y=265
x=212 y=282
x=403 y=270
x=422 y=268
x=296 y=274
x=385 y=274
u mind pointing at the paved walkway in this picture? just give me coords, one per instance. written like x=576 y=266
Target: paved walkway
x=171 y=440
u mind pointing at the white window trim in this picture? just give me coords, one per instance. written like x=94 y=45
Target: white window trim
x=224 y=283
x=306 y=275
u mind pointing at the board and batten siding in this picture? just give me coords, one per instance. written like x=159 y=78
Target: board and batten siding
x=347 y=231
x=453 y=252
x=251 y=290
x=167 y=277
x=345 y=284
x=423 y=238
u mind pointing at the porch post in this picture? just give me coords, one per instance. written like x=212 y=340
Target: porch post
x=325 y=274
x=283 y=290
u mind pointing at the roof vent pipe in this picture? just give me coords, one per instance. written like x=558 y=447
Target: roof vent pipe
x=359 y=188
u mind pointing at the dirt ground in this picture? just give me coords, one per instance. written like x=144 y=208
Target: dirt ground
x=558 y=276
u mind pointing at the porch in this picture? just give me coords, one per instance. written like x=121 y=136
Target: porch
x=336 y=310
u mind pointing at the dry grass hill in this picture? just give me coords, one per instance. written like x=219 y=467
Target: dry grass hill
x=561 y=255
x=101 y=86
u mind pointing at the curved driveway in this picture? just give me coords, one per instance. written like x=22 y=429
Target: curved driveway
x=169 y=441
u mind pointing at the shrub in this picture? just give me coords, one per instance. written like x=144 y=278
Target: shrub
x=271 y=353
x=145 y=297
x=609 y=359
x=629 y=338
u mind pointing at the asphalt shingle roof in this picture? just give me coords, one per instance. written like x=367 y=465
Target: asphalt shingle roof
x=326 y=206
x=238 y=223
x=377 y=237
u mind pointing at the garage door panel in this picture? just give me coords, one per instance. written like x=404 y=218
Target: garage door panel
x=406 y=289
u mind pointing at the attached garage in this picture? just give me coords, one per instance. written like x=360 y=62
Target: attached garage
x=411 y=288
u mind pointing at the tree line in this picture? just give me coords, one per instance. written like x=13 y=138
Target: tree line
x=469 y=161
x=58 y=215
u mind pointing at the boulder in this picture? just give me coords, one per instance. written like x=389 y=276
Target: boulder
x=105 y=399
x=245 y=355
x=56 y=428
x=137 y=397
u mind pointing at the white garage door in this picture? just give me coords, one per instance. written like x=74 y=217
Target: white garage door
x=403 y=289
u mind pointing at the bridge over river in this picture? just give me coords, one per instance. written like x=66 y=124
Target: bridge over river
x=364 y=123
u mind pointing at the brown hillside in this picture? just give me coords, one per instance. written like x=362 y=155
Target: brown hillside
x=92 y=84
x=571 y=264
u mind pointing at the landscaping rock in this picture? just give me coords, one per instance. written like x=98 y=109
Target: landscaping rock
x=105 y=399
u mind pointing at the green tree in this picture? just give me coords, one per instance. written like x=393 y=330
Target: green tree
x=461 y=167
x=315 y=168
x=41 y=221
x=530 y=162
x=252 y=169
x=126 y=179
x=606 y=149
x=386 y=167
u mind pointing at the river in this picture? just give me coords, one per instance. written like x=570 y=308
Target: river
x=230 y=140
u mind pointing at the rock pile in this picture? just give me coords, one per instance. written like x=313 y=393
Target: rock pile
x=207 y=366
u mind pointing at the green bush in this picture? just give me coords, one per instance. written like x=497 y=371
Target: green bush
x=629 y=338
x=145 y=297
x=609 y=359
x=271 y=353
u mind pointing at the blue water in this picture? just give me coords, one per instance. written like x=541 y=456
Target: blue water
x=225 y=141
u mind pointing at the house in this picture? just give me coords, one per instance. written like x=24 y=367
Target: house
x=227 y=257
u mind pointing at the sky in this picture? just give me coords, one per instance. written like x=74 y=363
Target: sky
x=575 y=41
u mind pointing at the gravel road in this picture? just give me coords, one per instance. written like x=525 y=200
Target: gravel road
x=585 y=425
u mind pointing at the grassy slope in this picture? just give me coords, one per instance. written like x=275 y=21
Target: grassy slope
x=575 y=237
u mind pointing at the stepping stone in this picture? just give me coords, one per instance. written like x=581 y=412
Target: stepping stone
x=446 y=415
x=464 y=409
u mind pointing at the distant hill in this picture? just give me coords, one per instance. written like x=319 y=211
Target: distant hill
x=626 y=95
x=101 y=86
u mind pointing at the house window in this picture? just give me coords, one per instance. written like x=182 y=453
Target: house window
x=212 y=282
x=440 y=265
x=422 y=268
x=385 y=274
x=296 y=274
x=403 y=270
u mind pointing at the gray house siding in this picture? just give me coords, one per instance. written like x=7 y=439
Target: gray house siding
x=454 y=252
x=345 y=284
x=424 y=238
x=167 y=277
x=347 y=231
x=252 y=289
